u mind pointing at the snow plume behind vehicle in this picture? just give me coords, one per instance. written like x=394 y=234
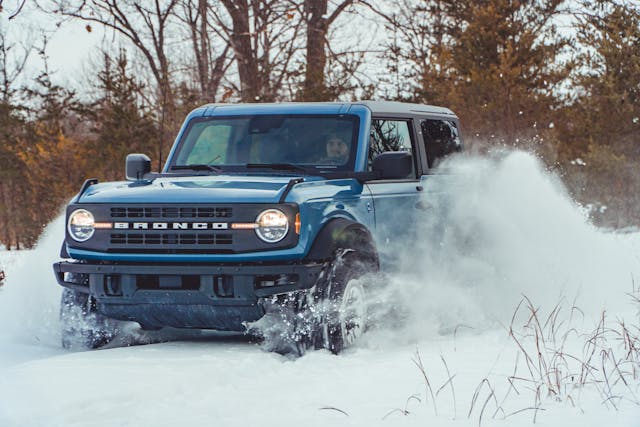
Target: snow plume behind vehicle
x=29 y=301
x=507 y=230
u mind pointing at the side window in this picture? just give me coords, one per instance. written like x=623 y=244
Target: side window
x=441 y=138
x=390 y=135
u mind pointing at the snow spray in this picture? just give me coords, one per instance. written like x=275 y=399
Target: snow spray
x=506 y=229
x=29 y=301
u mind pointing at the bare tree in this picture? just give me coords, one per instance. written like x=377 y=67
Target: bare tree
x=414 y=51
x=271 y=55
x=318 y=20
x=264 y=37
x=13 y=59
x=210 y=67
x=13 y=13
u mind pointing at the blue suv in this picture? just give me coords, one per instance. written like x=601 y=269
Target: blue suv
x=258 y=206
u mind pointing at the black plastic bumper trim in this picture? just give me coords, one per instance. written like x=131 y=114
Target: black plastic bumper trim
x=307 y=274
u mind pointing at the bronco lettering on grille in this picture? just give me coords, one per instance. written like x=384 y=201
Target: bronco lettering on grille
x=170 y=225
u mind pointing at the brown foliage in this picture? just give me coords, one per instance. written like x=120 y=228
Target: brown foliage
x=602 y=126
x=502 y=65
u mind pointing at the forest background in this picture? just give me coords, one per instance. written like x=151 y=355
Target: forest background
x=558 y=78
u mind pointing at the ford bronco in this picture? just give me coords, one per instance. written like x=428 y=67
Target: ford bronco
x=256 y=204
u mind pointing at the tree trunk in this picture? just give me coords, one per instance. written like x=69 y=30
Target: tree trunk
x=241 y=43
x=314 y=85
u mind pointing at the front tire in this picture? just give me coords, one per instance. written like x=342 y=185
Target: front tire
x=342 y=302
x=82 y=327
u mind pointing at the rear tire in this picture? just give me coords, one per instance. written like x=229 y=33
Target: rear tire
x=82 y=327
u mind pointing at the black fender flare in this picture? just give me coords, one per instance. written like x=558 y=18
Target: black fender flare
x=341 y=233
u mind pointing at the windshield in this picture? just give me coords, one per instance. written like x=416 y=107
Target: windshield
x=270 y=142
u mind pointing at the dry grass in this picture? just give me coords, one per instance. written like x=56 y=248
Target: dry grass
x=557 y=361
x=608 y=361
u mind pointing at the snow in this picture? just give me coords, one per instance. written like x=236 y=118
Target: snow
x=511 y=233
x=8 y=259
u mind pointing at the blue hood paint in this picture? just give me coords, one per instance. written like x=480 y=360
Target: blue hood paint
x=193 y=189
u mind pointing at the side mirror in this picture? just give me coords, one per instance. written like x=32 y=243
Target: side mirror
x=393 y=165
x=137 y=166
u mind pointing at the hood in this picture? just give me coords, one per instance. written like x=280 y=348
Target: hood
x=192 y=189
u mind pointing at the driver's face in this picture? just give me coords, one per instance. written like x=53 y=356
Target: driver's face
x=337 y=148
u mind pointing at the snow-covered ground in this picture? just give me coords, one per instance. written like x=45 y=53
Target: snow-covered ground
x=523 y=313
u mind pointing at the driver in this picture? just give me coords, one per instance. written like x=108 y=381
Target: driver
x=337 y=150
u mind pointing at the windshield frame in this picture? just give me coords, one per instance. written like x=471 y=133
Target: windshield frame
x=314 y=169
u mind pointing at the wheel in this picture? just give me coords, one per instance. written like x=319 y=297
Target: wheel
x=81 y=326
x=341 y=301
x=332 y=315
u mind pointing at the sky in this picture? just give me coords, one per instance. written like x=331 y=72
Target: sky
x=69 y=47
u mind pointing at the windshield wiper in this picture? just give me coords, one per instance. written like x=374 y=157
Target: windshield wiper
x=283 y=167
x=201 y=167
x=328 y=174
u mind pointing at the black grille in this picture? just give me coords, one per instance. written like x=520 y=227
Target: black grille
x=176 y=228
x=171 y=212
x=171 y=239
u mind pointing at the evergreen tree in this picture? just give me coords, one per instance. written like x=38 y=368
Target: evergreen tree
x=608 y=82
x=502 y=61
x=54 y=158
x=13 y=188
x=121 y=124
x=602 y=126
x=15 y=230
x=494 y=62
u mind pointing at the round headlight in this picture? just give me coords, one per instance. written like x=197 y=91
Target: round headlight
x=81 y=225
x=272 y=225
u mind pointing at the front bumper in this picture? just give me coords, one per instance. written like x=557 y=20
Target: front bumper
x=220 y=297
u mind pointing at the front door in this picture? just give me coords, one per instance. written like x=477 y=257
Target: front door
x=396 y=201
